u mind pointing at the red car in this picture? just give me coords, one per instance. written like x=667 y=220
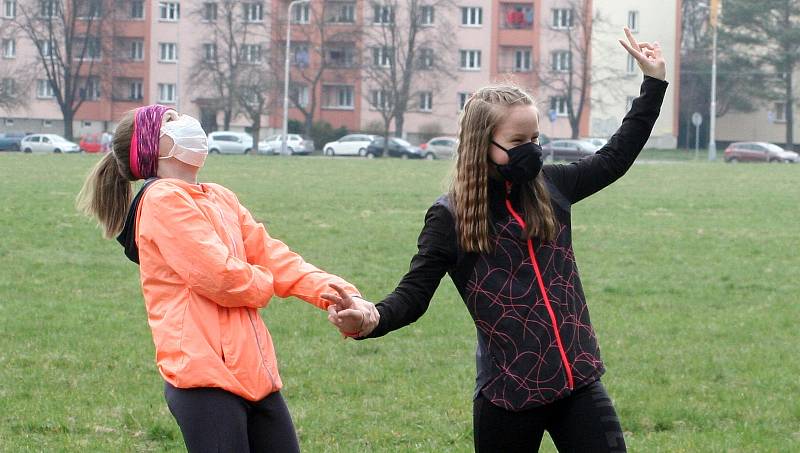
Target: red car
x=758 y=152
x=95 y=143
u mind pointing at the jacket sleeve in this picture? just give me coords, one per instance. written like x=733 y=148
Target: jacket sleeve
x=436 y=253
x=190 y=246
x=581 y=179
x=292 y=276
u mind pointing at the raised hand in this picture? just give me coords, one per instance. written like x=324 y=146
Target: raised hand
x=353 y=316
x=648 y=56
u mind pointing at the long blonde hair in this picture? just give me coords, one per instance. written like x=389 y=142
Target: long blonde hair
x=469 y=192
x=107 y=193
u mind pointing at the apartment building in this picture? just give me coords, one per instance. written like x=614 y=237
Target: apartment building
x=156 y=47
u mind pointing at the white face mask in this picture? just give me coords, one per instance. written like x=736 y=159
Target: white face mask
x=190 y=141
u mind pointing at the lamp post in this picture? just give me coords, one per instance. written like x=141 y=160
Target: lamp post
x=715 y=7
x=284 y=137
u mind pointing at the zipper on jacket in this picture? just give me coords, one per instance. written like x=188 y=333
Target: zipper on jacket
x=543 y=290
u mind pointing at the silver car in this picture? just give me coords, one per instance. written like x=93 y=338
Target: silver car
x=226 y=142
x=48 y=143
x=440 y=148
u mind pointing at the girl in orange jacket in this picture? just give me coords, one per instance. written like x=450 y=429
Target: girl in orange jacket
x=206 y=267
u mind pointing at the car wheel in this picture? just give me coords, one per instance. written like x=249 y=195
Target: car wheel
x=404 y=156
x=213 y=151
x=370 y=155
x=733 y=160
x=362 y=152
x=330 y=152
x=430 y=156
x=248 y=151
x=57 y=151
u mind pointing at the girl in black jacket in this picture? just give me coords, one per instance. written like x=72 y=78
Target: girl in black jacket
x=503 y=233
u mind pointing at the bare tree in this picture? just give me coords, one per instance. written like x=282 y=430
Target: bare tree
x=236 y=35
x=70 y=39
x=256 y=83
x=406 y=57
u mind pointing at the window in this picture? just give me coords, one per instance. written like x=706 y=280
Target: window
x=780 y=112
x=251 y=53
x=48 y=8
x=426 y=101
x=562 y=61
x=381 y=100
x=426 y=58
x=8 y=87
x=382 y=56
x=301 y=14
x=253 y=12
x=209 y=52
x=43 y=89
x=169 y=11
x=136 y=90
x=470 y=60
x=137 y=50
x=633 y=20
x=426 y=15
x=562 y=18
x=522 y=60
x=340 y=56
x=46 y=48
x=87 y=124
x=462 y=100
x=516 y=15
x=90 y=89
x=337 y=96
x=300 y=55
x=168 y=52
x=10 y=9
x=209 y=11
x=472 y=16
x=137 y=9
x=88 y=49
x=631 y=67
x=558 y=104
x=10 y=122
x=166 y=93
x=9 y=48
x=299 y=94
x=383 y=14
x=340 y=12
x=90 y=9
x=47 y=123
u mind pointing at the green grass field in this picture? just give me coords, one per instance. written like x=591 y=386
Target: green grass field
x=690 y=269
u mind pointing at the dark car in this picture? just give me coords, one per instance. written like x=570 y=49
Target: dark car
x=758 y=152
x=9 y=141
x=397 y=148
x=569 y=150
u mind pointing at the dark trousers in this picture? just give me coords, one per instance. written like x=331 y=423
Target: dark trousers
x=214 y=420
x=582 y=422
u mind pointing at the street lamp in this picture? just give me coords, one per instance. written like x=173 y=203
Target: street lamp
x=714 y=10
x=284 y=137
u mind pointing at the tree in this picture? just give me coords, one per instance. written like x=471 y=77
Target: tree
x=768 y=33
x=404 y=54
x=255 y=85
x=70 y=39
x=237 y=35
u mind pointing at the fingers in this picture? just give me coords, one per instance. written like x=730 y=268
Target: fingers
x=657 y=50
x=631 y=39
x=346 y=300
x=636 y=54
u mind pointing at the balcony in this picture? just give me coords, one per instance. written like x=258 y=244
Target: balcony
x=516 y=16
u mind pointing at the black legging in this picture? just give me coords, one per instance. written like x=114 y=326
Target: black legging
x=584 y=421
x=214 y=420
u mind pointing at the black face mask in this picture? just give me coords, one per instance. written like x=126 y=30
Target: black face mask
x=524 y=163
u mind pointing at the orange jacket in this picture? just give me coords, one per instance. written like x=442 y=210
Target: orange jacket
x=206 y=268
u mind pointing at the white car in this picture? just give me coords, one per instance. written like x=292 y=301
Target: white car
x=596 y=141
x=349 y=145
x=48 y=143
x=295 y=144
x=226 y=142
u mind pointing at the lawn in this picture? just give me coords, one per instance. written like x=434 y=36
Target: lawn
x=690 y=270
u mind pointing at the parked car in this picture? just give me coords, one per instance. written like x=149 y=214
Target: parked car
x=48 y=143
x=397 y=148
x=227 y=142
x=349 y=145
x=98 y=142
x=596 y=141
x=569 y=150
x=440 y=148
x=295 y=144
x=9 y=141
x=759 y=152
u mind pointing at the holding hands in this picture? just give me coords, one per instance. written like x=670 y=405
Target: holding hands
x=648 y=56
x=353 y=316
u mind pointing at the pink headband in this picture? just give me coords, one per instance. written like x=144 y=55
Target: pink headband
x=144 y=141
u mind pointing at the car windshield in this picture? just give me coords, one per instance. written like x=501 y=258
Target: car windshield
x=401 y=142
